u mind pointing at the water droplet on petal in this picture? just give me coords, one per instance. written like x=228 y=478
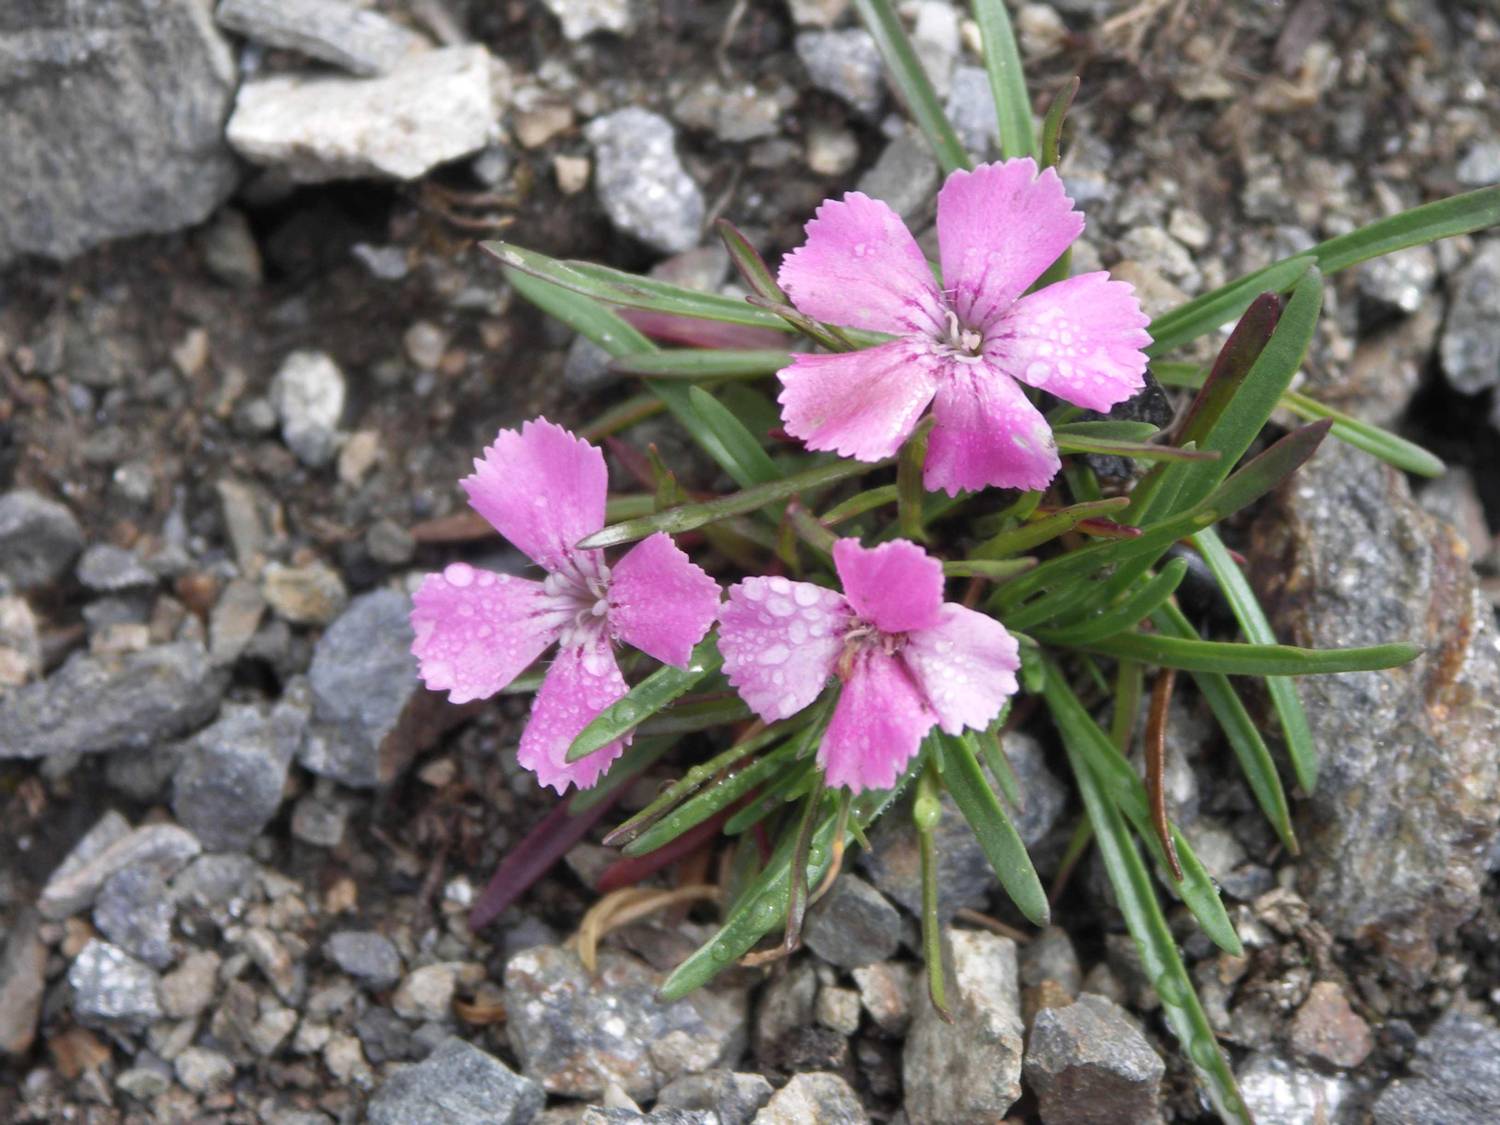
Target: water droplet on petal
x=458 y=574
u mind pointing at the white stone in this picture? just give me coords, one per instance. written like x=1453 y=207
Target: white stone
x=435 y=107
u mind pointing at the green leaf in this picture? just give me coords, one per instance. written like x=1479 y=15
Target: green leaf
x=909 y=490
x=1233 y=659
x=638 y=756
x=703 y=363
x=996 y=570
x=1240 y=729
x=1080 y=733
x=1007 y=80
x=997 y=836
x=1202 y=315
x=1108 y=429
x=1137 y=450
x=921 y=99
x=691 y=516
x=699 y=714
x=1390 y=448
x=1032 y=534
x=1140 y=604
x=1052 y=124
x=747 y=260
x=1252 y=619
x=1458 y=214
x=859 y=504
x=646 y=699
x=616 y=287
x=747 y=462
x=1153 y=937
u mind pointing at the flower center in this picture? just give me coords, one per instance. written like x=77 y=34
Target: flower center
x=960 y=342
x=863 y=638
x=583 y=593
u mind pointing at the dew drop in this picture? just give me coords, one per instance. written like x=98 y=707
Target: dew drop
x=1170 y=989
x=805 y=594
x=1204 y=1052
x=778 y=584
x=1037 y=371
x=776 y=654
x=781 y=607
x=720 y=951
x=458 y=574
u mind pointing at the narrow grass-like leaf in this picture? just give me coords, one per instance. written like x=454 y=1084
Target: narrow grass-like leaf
x=1052 y=123
x=748 y=463
x=859 y=504
x=699 y=714
x=646 y=699
x=1032 y=534
x=996 y=570
x=621 y=416
x=906 y=72
x=1138 y=605
x=909 y=489
x=1202 y=315
x=638 y=756
x=1002 y=60
x=763 y=905
x=1153 y=937
x=1108 y=429
x=527 y=861
x=1458 y=214
x=703 y=363
x=926 y=812
x=1393 y=450
x=616 y=287
x=1233 y=659
x=747 y=260
x=992 y=827
x=1300 y=747
x=691 y=516
x=794 y=780
x=1126 y=791
x=1240 y=729
x=1137 y=450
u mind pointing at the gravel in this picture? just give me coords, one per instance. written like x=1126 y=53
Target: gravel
x=641 y=184
x=308 y=394
x=457 y=1084
x=38 y=539
x=334 y=31
x=111 y=989
x=852 y=925
x=1090 y=1065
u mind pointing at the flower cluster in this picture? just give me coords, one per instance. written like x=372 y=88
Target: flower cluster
x=905 y=660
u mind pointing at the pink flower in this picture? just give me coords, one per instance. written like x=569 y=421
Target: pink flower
x=965 y=344
x=543 y=489
x=907 y=658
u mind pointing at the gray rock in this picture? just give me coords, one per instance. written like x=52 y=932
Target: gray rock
x=786 y=1004
x=370 y=711
x=135 y=912
x=436 y=106
x=734 y=1097
x=1470 y=346
x=971 y=108
x=457 y=1084
x=1089 y=1065
x=846 y=64
x=203 y=1071
x=893 y=863
x=935 y=38
x=1396 y=838
x=111 y=989
x=118 y=701
x=1278 y=1092
x=212 y=881
x=1327 y=1029
x=23 y=966
x=586 y=368
x=1455 y=1077
x=308 y=393
x=623 y=1115
x=905 y=175
x=641 y=183
x=1050 y=956
x=319 y=820
x=230 y=251
x=838 y=1009
x=885 y=993
x=276 y=962
x=365 y=955
x=581 y=18
x=1043 y=796
x=852 y=925
x=109 y=569
x=335 y=31
x=304 y=595
x=38 y=537
x=970 y=1069
x=576 y=1032
x=427 y=993
x=1399 y=281
x=233 y=620
x=113 y=124
x=229 y=784
x=163 y=848
x=820 y=1096
x=1480 y=166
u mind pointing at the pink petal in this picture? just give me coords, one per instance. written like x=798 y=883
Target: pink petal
x=877 y=725
x=896 y=586
x=476 y=631
x=966 y=665
x=861 y=267
x=660 y=602
x=999 y=227
x=543 y=489
x=780 y=640
x=1080 y=339
x=860 y=404
x=987 y=435
x=583 y=680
